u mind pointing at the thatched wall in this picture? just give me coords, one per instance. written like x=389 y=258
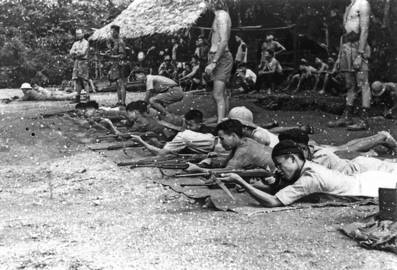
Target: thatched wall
x=147 y=17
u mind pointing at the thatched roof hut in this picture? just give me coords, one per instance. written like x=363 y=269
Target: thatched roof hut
x=147 y=17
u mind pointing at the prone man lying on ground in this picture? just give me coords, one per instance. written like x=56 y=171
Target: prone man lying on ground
x=39 y=93
x=305 y=178
x=144 y=123
x=328 y=159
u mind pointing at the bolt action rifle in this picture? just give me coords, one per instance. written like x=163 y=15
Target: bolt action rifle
x=160 y=161
x=256 y=173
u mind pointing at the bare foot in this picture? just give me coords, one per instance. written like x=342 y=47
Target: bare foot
x=322 y=92
x=390 y=142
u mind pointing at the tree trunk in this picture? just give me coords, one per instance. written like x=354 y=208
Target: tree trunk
x=326 y=36
x=386 y=20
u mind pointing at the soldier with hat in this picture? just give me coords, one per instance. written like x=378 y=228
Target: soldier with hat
x=387 y=92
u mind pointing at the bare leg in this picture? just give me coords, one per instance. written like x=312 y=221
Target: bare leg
x=299 y=84
x=86 y=88
x=351 y=86
x=121 y=94
x=318 y=78
x=326 y=82
x=157 y=105
x=362 y=80
x=77 y=86
x=220 y=99
x=366 y=144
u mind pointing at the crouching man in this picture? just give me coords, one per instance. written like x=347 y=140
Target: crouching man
x=306 y=178
x=161 y=92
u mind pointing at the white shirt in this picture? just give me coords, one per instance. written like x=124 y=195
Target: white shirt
x=315 y=178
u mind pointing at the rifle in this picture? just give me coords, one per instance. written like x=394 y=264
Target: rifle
x=51 y=114
x=211 y=185
x=159 y=161
x=111 y=118
x=257 y=173
x=125 y=136
x=118 y=146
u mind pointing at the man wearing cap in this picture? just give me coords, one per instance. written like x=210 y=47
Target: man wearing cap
x=306 y=178
x=388 y=93
x=167 y=69
x=250 y=130
x=117 y=53
x=353 y=62
x=39 y=93
x=328 y=159
x=220 y=60
x=79 y=53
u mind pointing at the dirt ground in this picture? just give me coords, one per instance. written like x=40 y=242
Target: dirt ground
x=63 y=206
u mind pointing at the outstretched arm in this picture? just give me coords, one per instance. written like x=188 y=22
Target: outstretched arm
x=263 y=198
x=152 y=149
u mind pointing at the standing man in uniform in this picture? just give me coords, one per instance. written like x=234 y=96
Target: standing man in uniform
x=220 y=60
x=116 y=73
x=79 y=53
x=353 y=62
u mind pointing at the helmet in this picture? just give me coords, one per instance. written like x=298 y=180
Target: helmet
x=378 y=88
x=26 y=86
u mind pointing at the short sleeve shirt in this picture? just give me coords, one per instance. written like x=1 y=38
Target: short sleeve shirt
x=250 y=154
x=249 y=74
x=194 y=142
x=264 y=136
x=328 y=159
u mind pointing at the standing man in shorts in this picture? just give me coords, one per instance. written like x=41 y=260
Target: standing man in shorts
x=79 y=53
x=220 y=60
x=353 y=62
x=161 y=92
x=117 y=54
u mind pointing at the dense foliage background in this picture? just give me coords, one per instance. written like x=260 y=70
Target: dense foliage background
x=35 y=36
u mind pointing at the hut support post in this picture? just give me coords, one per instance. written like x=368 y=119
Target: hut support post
x=295 y=48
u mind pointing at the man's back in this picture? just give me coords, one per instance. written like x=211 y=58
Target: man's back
x=249 y=154
x=315 y=178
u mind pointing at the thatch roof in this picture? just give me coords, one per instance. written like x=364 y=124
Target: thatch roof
x=147 y=17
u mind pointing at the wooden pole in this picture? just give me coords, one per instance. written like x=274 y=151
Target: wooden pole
x=295 y=48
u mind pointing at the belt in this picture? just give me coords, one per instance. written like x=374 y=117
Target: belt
x=351 y=37
x=215 y=52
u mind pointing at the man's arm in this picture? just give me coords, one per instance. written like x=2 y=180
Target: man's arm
x=281 y=48
x=152 y=149
x=191 y=74
x=72 y=51
x=263 y=198
x=365 y=11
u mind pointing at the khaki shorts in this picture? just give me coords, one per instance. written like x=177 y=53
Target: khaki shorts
x=349 y=52
x=223 y=68
x=174 y=94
